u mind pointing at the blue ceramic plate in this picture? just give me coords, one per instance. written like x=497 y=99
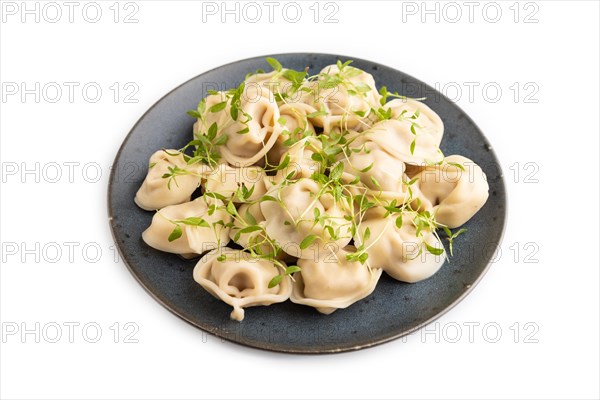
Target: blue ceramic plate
x=393 y=310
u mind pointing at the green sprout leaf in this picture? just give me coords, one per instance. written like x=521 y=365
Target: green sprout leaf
x=434 y=250
x=399 y=222
x=366 y=169
x=268 y=198
x=195 y=221
x=250 y=218
x=276 y=65
x=218 y=107
x=291 y=269
x=231 y=208
x=307 y=241
x=457 y=165
x=336 y=172
x=275 y=281
x=176 y=233
x=221 y=140
x=212 y=131
x=362 y=87
x=367 y=234
x=194 y=113
x=249 y=229
x=315 y=114
x=451 y=237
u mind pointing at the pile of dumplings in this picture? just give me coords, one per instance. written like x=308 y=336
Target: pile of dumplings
x=308 y=188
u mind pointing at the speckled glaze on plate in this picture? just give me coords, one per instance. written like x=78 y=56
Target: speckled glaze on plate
x=393 y=310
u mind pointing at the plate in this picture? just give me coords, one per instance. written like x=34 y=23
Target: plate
x=393 y=310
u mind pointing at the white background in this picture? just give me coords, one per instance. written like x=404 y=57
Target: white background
x=554 y=356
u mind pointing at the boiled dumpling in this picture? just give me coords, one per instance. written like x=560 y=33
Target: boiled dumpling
x=157 y=192
x=240 y=280
x=225 y=180
x=251 y=215
x=379 y=171
x=299 y=160
x=201 y=230
x=253 y=134
x=273 y=84
x=295 y=126
x=397 y=139
x=397 y=250
x=220 y=118
x=428 y=122
x=290 y=218
x=454 y=194
x=346 y=96
x=333 y=282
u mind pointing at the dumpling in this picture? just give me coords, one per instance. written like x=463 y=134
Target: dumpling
x=157 y=192
x=200 y=229
x=397 y=139
x=333 y=282
x=253 y=134
x=346 y=96
x=378 y=170
x=414 y=111
x=240 y=280
x=268 y=84
x=290 y=219
x=398 y=251
x=220 y=118
x=300 y=164
x=454 y=195
x=251 y=215
x=295 y=125
x=225 y=180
